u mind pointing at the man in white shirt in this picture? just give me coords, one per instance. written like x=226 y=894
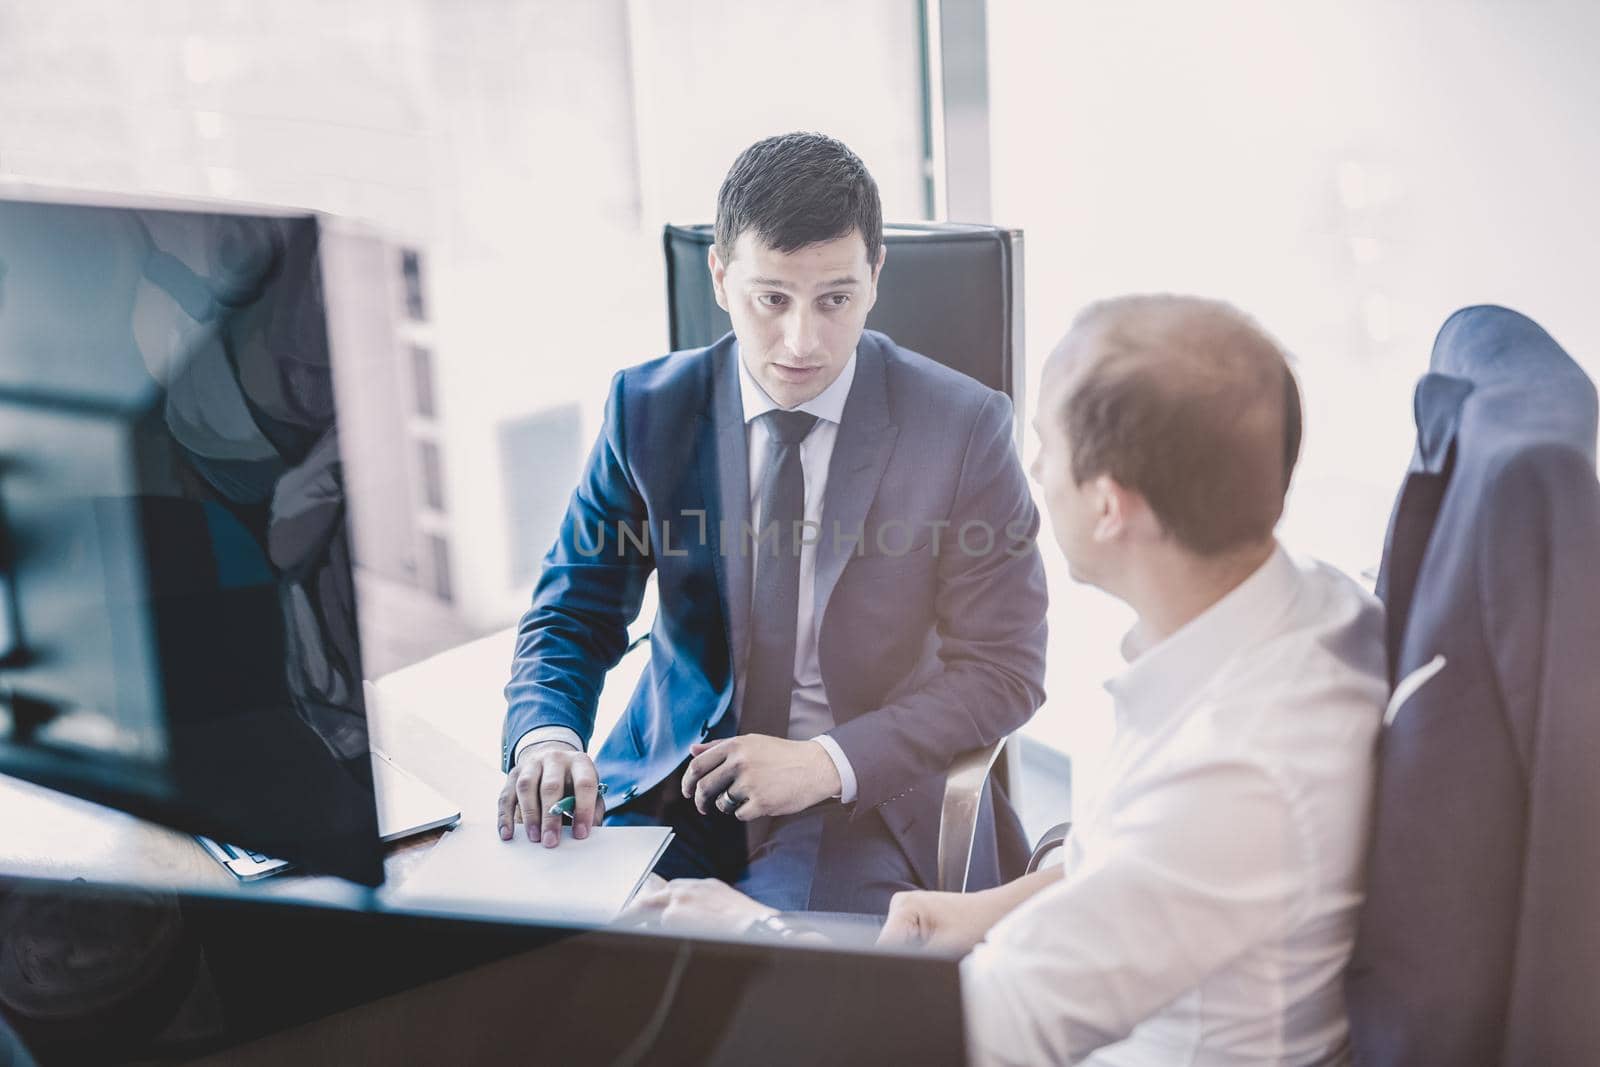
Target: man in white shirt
x=1205 y=904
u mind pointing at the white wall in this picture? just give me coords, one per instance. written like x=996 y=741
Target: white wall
x=568 y=135
x=712 y=76
x=531 y=148
x=1349 y=172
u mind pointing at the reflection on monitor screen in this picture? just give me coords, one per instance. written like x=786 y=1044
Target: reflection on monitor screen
x=177 y=611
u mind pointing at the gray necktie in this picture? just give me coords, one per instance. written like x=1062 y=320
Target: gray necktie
x=774 y=615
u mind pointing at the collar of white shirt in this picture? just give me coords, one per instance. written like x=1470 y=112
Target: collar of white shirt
x=1162 y=679
x=828 y=404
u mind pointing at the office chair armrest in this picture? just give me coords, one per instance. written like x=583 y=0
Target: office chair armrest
x=1053 y=839
x=958 y=817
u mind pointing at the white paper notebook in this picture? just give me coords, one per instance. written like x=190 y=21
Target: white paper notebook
x=472 y=872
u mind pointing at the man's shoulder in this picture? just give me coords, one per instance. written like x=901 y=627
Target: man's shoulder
x=685 y=375
x=1319 y=664
x=1337 y=615
x=920 y=385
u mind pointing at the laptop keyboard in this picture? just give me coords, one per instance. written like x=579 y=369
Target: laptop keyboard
x=235 y=853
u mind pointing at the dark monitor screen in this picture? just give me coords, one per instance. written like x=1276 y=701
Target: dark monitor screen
x=178 y=629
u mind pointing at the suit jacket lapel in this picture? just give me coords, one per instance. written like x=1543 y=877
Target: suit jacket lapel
x=725 y=477
x=1437 y=407
x=860 y=452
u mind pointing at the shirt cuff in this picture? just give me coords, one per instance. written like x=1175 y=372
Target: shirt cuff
x=546 y=733
x=847 y=775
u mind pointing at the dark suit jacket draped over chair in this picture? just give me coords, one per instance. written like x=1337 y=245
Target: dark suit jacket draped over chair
x=1480 y=937
x=924 y=653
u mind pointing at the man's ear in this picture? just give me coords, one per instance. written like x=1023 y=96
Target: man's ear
x=1112 y=506
x=719 y=271
x=1134 y=516
x=877 y=269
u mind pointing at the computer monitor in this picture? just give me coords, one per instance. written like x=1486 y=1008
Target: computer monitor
x=179 y=634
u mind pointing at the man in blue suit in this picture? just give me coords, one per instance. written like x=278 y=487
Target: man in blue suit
x=849 y=591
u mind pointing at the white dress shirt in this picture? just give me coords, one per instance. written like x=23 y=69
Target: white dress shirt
x=1208 y=896
x=809 y=714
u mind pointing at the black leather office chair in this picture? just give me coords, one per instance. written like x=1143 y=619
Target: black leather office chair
x=953 y=292
x=1479 y=940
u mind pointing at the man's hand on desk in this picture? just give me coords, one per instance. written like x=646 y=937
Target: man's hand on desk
x=945 y=922
x=703 y=904
x=544 y=774
x=753 y=776
x=955 y=922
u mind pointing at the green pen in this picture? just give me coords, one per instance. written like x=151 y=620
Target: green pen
x=565 y=805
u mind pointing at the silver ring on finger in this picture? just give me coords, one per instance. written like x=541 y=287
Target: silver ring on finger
x=727 y=803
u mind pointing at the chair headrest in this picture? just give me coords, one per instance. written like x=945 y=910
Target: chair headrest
x=1517 y=376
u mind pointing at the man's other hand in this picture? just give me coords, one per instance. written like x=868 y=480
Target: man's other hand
x=544 y=774
x=754 y=776
x=943 y=922
x=703 y=904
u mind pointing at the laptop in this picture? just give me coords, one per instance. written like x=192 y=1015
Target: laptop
x=406 y=807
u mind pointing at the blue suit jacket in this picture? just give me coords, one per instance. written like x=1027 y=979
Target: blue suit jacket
x=1479 y=941
x=929 y=646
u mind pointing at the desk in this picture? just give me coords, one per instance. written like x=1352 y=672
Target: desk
x=439 y=719
x=51 y=835
x=331 y=986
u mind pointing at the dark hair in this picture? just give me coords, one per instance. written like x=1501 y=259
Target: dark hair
x=795 y=190
x=1192 y=405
